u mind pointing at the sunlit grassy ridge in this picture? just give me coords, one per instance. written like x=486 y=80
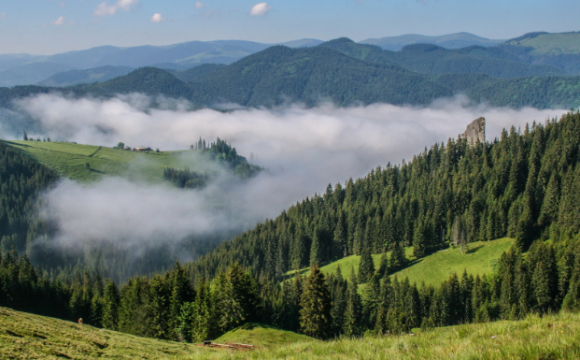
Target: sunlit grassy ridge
x=552 y=44
x=261 y=335
x=69 y=160
x=26 y=336
x=435 y=268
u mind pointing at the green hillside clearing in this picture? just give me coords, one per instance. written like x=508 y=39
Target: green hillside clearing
x=69 y=160
x=261 y=335
x=435 y=268
x=551 y=44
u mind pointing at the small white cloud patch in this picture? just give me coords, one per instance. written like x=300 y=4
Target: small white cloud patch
x=105 y=9
x=260 y=9
x=58 y=21
x=199 y=5
x=156 y=18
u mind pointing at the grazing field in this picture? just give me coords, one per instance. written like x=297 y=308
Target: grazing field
x=26 y=336
x=551 y=44
x=261 y=336
x=70 y=160
x=435 y=268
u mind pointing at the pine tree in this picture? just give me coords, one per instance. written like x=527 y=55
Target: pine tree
x=111 y=301
x=353 y=312
x=366 y=267
x=181 y=292
x=315 y=319
x=316 y=250
x=383 y=265
x=398 y=260
x=338 y=288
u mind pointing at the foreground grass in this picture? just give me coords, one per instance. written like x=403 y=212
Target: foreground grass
x=69 y=160
x=26 y=336
x=262 y=336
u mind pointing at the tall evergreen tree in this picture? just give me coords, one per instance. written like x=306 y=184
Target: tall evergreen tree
x=366 y=267
x=315 y=319
x=352 y=325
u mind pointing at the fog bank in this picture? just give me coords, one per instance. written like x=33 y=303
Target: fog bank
x=304 y=149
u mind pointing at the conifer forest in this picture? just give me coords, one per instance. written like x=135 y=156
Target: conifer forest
x=524 y=185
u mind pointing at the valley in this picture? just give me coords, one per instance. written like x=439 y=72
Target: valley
x=356 y=216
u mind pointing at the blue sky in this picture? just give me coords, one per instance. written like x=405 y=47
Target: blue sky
x=53 y=26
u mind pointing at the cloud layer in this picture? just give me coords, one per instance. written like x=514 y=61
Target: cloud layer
x=303 y=149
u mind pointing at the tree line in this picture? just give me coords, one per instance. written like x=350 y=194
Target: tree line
x=169 y=306
x=525 y=185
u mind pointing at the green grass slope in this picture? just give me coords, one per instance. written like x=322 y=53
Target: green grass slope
x=434 y=269
x=261 y=335
x=549 y=44
x=27 y=336
x=69 y=160
x=549 y=337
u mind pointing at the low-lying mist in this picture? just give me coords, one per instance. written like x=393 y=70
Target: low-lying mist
x=303 y=150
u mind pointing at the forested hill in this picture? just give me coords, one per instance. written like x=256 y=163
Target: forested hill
x=523 y=185
x=433 y=59
x=344 y=73
x=279 y=74
x=21 y=179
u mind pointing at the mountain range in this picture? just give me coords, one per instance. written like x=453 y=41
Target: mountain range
x=341 y=71
x=25 y=69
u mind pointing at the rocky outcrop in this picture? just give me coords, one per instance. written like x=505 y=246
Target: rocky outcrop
x=475 y=131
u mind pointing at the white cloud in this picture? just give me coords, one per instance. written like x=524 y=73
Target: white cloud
x=105 y=9
x=59 y=21
x=157 y=18
x=199 y=5
x=304 y=149
x=260 y=9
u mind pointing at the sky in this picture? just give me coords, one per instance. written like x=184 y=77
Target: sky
x=55 y=26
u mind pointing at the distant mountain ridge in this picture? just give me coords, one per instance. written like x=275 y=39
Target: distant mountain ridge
x=312 y=75
x=450 y=41
x=532 y=49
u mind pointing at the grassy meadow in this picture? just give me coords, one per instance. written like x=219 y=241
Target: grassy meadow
x=552 y=44
x=435 y=268
x=432 y=269
x=26 y=336
x=69 y=160
x=262 y=336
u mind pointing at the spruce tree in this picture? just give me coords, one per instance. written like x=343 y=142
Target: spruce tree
x=366 y=267
x=353 y=312
x=315 y=319
x=111 y=301
x=398 y=260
